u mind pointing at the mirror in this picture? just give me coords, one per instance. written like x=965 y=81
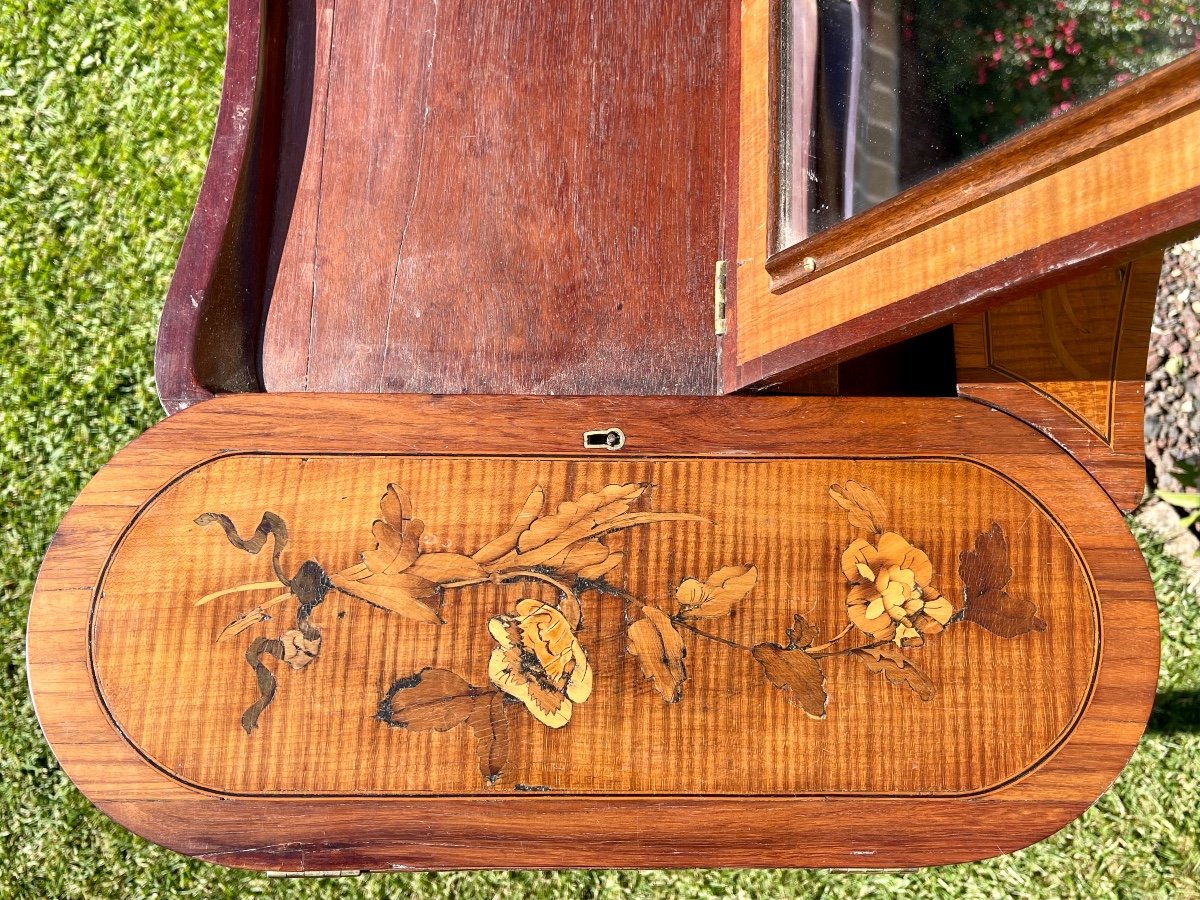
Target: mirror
x=875 y=96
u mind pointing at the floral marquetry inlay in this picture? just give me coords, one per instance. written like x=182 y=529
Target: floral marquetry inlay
x=624 y=611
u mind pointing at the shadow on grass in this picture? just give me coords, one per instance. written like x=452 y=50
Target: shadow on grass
x=1176 y=712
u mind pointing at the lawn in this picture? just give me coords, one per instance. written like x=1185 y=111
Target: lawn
x=105 y=115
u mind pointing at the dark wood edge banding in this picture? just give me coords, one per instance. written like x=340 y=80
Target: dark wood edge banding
x=1112 y=449
x=544 y=830
x=1120 y=473
x=1084 y=131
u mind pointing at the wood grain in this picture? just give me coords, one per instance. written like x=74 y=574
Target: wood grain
x=1088 y=129
x=320 y=735
x=1070 y=361
x=208 y=333
x=482 y=188
x=478 y=186
x=786 y=788
x=1118 y=179
x=753 y=199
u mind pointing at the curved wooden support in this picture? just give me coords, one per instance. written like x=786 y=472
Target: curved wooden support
x=343 y=633
x=208 y=334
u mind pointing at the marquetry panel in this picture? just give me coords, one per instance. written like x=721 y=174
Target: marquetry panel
x=309 y=632
x=971 y=724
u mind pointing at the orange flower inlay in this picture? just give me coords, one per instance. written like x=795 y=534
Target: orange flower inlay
x=891 y=597
x=540 y=662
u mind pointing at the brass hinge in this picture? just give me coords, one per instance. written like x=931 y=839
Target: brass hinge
x=719 y=297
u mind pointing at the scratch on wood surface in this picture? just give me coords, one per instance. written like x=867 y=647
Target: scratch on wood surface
x=331 y=16
x=412 y=200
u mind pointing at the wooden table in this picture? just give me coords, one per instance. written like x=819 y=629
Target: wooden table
x=318 y=632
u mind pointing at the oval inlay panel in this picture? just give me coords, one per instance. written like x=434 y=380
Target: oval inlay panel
x=947 y=638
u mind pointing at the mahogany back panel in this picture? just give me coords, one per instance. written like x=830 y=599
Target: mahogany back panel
x=513 y=197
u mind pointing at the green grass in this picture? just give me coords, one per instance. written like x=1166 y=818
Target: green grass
x=105 y=115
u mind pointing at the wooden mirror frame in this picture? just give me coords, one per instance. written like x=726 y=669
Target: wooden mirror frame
x=1110 y=179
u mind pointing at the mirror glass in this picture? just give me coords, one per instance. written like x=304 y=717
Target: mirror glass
x=875 y=96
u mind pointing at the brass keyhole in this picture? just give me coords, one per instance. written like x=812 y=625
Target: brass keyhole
x=607 y=438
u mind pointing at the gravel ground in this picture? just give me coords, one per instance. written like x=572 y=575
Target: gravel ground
x=1173 y=366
